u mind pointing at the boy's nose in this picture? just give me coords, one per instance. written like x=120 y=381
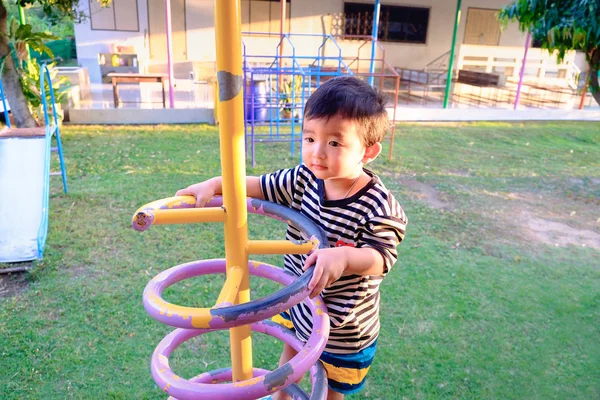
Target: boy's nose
x=319 y=151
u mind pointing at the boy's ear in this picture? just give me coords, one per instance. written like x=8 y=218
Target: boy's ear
x=371 y=153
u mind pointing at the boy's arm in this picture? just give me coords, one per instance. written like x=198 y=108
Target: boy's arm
x=204 y=191
x=331 y=264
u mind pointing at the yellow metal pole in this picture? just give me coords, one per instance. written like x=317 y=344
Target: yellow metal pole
x=189 y=216
x=280 y=247
x=230 y=110
x=231 y=287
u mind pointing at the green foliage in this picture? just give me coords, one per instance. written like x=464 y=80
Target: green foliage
x=290 y=92
x=560 y=25
x=40 y=21
x=29 y=71
x=30 y=75
x=56 y=11
x=472 y=310
x=24 y=35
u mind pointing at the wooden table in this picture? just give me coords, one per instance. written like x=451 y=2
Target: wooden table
x=136 y=78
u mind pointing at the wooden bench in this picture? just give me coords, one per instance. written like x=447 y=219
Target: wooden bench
x=136 y=78
x=480 y=78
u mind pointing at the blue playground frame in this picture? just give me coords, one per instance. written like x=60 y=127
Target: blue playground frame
x=51 y=129
x=281 y=81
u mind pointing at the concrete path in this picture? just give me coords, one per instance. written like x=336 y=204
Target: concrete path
x=494 y=114
x=194 y=103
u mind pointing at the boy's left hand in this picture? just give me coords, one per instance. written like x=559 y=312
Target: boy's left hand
x=330 y=264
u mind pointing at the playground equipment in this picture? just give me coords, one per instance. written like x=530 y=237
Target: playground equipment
x=233 y=309
x=224 y=315
x=25 y=179
x=277 y=85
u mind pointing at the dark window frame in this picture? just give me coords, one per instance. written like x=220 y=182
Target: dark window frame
x=385 y=12
x=137 y=16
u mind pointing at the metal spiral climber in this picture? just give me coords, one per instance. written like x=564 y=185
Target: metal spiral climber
x=233 y=309
x=226 y=315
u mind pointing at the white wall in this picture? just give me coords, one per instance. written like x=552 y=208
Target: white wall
x=200 y=21
x=314 y=16
x=581 y=62
x=308 y=16
x=439 y=34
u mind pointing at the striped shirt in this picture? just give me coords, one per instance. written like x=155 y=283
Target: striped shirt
x=370 y=218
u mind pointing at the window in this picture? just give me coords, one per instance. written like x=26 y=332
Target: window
x=396 y=23
x=264 y=16
x=119 y=15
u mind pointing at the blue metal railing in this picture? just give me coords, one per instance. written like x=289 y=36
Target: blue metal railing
x=303 y=72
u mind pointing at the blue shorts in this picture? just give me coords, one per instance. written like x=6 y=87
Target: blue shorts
x=346 y=373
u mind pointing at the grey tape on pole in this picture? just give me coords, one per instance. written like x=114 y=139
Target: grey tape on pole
x=229 y=85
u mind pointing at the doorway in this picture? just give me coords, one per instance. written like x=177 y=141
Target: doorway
x=482 y=27
x=157 y=30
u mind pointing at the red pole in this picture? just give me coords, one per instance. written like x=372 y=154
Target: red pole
x=281 y=30
x=584 y=92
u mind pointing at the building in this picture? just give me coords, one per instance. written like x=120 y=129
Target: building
x=414 y=33
x=415 y=37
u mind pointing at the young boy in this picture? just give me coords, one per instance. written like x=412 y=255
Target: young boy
x=344 y=123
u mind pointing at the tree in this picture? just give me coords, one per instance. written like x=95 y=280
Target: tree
x=40 y=21
x=55 y=11
x=562 y=25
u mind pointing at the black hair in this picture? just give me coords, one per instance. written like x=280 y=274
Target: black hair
x=351 y=98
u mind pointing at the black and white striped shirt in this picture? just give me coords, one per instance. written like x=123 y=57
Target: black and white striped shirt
x=370 y=218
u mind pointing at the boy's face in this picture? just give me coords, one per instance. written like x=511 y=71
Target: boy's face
x=332 y=148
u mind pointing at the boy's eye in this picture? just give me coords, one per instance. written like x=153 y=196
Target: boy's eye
x=333 y=143
x=309 y=139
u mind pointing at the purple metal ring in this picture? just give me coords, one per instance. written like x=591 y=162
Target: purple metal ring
x=318 y=376
x=222 y=375
x=258 y=386
x=227 y=317
x=226 y=375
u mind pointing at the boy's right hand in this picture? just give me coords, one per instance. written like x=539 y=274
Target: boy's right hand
x=202 y=191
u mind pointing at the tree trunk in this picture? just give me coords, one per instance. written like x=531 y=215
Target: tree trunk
x=594 y=63
x=10 y=78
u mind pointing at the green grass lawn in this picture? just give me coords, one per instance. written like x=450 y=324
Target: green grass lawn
x=496 y=294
